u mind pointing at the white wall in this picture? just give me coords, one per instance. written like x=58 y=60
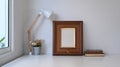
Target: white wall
x=17 y=44
x=101 y=22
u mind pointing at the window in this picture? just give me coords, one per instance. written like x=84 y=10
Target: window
x=6 y=26
x=4 y=23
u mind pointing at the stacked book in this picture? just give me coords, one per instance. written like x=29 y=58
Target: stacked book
x=94 y=53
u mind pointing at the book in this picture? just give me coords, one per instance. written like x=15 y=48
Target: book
x=94 y=53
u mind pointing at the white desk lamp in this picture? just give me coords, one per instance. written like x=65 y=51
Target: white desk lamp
x=47 y=14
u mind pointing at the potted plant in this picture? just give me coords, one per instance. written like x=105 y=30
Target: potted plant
x=36 y=47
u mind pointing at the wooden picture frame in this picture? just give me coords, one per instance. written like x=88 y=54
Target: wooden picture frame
x=67 y=38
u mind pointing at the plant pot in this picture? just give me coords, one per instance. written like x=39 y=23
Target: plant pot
x=36 y=50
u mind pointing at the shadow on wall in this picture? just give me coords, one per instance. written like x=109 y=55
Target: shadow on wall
x=43 y=47
x=54 y=16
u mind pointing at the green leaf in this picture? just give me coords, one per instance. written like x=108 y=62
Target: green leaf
x=2 y=39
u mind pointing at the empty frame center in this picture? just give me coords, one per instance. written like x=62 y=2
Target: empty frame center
x=67 y=37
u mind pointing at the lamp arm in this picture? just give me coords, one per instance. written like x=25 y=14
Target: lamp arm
x=29 y=32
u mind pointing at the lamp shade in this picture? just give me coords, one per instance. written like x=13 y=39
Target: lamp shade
x=47 y=13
